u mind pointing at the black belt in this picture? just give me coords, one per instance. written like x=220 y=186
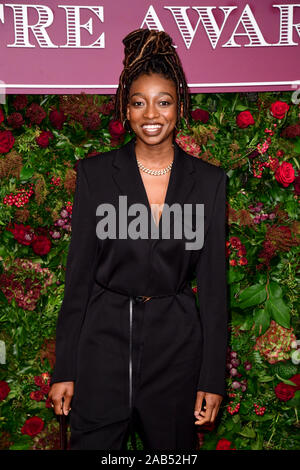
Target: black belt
x=138 y=299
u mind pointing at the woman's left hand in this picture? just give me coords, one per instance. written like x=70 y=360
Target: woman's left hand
x=210 y=411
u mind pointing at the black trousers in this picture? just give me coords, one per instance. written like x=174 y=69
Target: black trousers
x=115 y=436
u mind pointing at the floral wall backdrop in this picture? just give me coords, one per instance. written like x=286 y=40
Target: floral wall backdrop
x=255 y=137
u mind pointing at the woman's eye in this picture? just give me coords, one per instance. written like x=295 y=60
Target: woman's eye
x=137 y=103
x=165 y=103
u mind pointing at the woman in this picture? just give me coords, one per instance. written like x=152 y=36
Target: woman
x=131 y=342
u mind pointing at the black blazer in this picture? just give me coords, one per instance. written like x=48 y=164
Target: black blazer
x=92 y=329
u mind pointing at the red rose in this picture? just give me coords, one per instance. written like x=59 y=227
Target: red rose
x=200 y=115
x=6 y=141
x=57 y=118
x=296 y=380
x=4 y=390
x=41 y=245
x=43 y=138
x=284 y=392
x=1 y=115
x=279 y=109
x=244 y=119
x=32 y=426
x=285 y=174
x=296 y=184
x=37 y=395
x=224 y=444
x=15 y=120
x=116 y=129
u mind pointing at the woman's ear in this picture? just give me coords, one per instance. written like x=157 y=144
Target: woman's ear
x=127 y=112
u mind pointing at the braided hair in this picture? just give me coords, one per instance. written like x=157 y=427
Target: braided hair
x=149 y=51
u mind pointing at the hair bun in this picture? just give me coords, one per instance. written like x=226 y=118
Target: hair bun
x=146 y=42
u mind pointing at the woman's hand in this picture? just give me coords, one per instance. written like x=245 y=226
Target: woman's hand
x=61 y=395
x=210 y=411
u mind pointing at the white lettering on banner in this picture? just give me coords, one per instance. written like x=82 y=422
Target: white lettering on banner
x=21 y=25
x=73 y=26
x=287 y=25
x=252 y=31
x=151 y=20
x=46 y=19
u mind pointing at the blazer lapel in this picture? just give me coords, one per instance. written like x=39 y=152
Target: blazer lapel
x=126 y=175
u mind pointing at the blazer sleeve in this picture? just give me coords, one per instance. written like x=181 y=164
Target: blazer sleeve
x=80 y=258
x=212 y=296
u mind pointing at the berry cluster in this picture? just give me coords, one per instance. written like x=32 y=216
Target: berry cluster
x=232 y=410
x=19 y=199
x=259 y=410
x=55 y=181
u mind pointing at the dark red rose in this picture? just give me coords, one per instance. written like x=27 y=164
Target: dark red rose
x=244 y=119
x=116 y=129
x=43 y=138
x=1 y=115
x=284 y=392
x=296 y=184
x=45 y=389
x=57 y=118
x=4 y=390
x=92 y=121
x=200 y=115
x=38 y=380
x=291 y=132
x=41 y=245
x=35 y=113
x=279 y=109
x=33 y=426
x=20 y=102
x=7 y=141
x=224 y=444
x=285 y=174
x=15 y=120
x=37 y=395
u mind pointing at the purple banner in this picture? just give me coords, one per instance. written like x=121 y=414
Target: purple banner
x=70 y=47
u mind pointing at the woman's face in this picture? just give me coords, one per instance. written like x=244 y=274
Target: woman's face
x=152 y=109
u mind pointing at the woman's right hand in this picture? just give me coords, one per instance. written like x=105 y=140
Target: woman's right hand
x=61 y=394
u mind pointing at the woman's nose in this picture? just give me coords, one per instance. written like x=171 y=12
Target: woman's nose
x=151 y=111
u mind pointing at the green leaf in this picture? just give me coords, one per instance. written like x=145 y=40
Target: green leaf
x=265 y=378
x=252 y=295
x=286 y=381
x=234 y=276
x=278 y=311
x=262 y=321
x=274 y=290
x=295 y=401
x=297 y=145
x=248 y=431
x=26 y=173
